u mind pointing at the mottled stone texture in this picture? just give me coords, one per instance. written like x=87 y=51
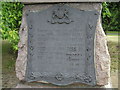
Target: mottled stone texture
x=102 y=57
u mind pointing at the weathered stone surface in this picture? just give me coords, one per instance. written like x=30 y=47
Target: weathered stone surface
x=102 y=58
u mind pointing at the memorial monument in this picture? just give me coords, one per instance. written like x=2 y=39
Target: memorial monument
x=62 y=44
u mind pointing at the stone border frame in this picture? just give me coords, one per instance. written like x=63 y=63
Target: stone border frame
x=102 y=57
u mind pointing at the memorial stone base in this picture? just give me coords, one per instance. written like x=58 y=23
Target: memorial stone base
x=102 y=57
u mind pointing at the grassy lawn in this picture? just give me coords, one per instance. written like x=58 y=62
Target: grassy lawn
x=113 y=33
x=113 y=41
x=113 y=38
x=9 y=58
x=8 y=65
x=113 y=47
x=114 y=50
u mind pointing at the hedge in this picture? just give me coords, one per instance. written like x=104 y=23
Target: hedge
x=11 y=14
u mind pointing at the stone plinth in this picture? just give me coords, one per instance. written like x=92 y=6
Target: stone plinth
x=102 y=57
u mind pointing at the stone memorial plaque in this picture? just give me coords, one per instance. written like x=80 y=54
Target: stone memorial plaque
x=61 y=45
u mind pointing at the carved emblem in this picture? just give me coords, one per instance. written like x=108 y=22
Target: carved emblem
x=90 y=26
x=59 y=76
x=60 y=16
x=31 y=76
x=87 y=79
x=84 y=78
x=77 y=76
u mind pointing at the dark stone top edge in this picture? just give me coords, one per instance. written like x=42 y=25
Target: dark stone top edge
x=65 y=1
x=53 y=1
x=56 y=1
x=30 y=3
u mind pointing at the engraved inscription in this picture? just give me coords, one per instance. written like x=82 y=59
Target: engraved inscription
x=73 y=54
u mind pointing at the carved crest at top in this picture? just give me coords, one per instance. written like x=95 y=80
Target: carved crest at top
x=60 y=15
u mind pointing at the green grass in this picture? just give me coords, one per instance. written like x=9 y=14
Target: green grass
x=113 y=38
x=113 y=50
x=8 y=65
x=8 y=57
x=113 y=33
